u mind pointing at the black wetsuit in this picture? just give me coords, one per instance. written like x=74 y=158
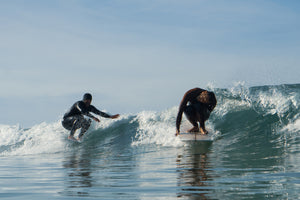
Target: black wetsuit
x=74 y=118
x=195 y=110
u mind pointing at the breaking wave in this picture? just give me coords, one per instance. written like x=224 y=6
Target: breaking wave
x=262 y=112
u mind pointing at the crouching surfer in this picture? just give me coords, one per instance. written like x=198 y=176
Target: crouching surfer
x=74 y=118
x=196 y=104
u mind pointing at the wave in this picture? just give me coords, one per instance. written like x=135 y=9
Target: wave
x=260 y=112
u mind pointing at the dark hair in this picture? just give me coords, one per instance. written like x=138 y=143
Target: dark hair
x=87 y=96
x=204 y=97
x=208 y=98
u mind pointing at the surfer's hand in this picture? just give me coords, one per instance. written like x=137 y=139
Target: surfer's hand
x=96 y=119
x=115 y=116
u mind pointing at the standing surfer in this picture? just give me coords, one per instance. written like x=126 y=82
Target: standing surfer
x=196 y=104
x=74 y=118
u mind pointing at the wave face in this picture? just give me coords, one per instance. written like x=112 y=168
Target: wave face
x=249 y=118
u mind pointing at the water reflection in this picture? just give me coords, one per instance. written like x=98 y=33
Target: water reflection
x=100 y=167
x=193 y=168
x=78 y=170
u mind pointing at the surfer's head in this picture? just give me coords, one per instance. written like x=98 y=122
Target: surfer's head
x=87 y=98
x=208 y=98
x=203 y=97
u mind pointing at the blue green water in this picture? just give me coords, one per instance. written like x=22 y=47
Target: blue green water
x=255 y=154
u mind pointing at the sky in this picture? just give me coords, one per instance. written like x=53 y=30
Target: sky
x=136 y=55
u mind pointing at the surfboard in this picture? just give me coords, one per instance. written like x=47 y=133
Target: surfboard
x=195 y=137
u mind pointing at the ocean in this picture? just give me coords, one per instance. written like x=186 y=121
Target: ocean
x=255 y=154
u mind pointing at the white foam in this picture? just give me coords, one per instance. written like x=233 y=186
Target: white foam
x=241 y=91
x=42 y=138
x=157 y=128
x=293 y=126
x=107 y=122
x=10 y=134
x=274 y=102
x=235 y=99
x=230 y=106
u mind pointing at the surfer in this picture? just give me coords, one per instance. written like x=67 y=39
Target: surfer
x=74 y=118
x=196 y=104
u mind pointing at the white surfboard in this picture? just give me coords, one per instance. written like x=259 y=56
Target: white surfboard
x=195 y=137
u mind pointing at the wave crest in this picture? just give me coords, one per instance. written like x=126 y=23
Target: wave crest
x=256 y=111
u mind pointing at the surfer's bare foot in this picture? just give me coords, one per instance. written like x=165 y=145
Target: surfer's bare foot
x=71 y=137
x=193 y=130
x=203 y=131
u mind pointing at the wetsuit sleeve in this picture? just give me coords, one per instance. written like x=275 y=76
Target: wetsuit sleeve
x=98 y=112
x=190 y=95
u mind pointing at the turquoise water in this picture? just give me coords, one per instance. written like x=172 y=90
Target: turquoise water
x=255 y=154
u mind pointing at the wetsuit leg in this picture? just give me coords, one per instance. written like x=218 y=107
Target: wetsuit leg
x=80 y=122
x=84 y=127
x=76 y=122
x=202 y=114
x=73 y=123
x=191 y=115
x=68 y=122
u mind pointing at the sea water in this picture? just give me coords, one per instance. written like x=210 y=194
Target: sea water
x=255 y=154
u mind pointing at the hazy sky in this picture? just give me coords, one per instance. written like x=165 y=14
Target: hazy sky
x=135 y=55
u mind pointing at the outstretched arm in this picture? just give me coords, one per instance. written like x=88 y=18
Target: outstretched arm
x=178 y=121
x=188 y=96
x=115 y=116
x=112 y=117
x=103 y=114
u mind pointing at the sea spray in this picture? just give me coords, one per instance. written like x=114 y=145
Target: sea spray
x=157 y=128
x=41 y=138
